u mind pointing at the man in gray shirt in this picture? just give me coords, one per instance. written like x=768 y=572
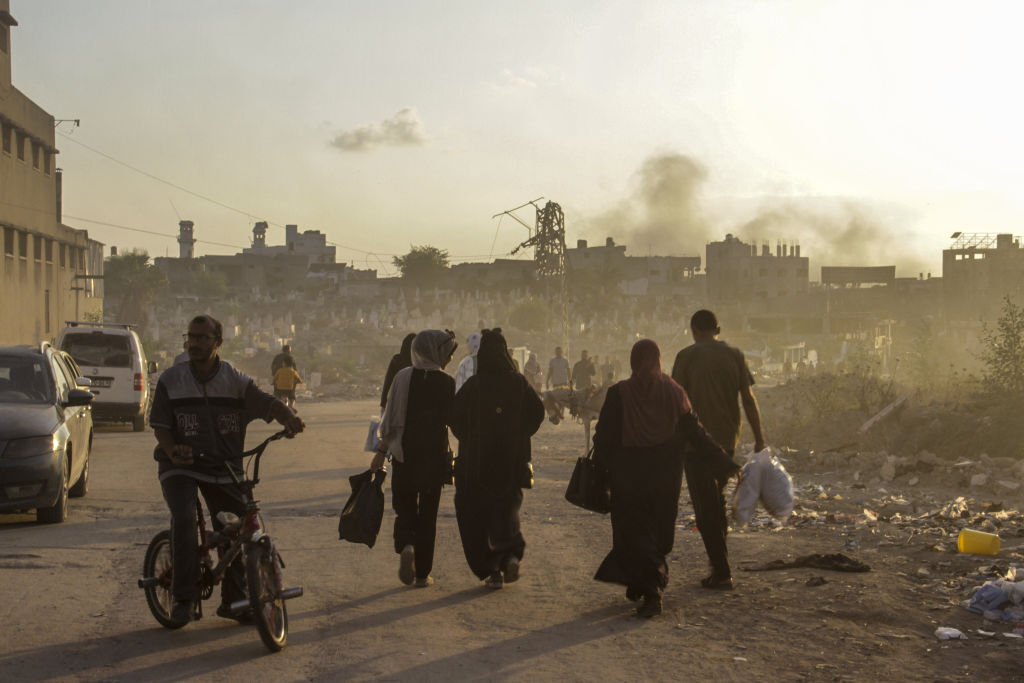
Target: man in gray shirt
x=558 y=370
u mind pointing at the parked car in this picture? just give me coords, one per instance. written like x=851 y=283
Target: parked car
x=111 y=355
x=45 y=431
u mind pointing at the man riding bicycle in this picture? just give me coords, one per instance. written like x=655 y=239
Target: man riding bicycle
x=204 y=406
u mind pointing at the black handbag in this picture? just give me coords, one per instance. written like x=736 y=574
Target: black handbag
x=588 y=487
x=362 y=515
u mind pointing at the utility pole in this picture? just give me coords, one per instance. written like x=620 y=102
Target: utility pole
x=547 y=237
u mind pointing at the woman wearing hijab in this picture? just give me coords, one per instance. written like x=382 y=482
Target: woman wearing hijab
x=533 y=373
x=644 y=425
x=494 y=416
x=467 y=368
x=414 y=429
x=402 y=359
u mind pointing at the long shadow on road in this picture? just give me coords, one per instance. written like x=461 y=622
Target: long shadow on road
x=502 y=658
x=107 y=656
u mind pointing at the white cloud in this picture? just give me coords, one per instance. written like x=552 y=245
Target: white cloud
x=404 y=129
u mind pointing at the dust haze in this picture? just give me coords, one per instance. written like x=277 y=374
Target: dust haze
x=667 y=212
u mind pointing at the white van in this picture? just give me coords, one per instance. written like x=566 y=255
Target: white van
x=111 y=356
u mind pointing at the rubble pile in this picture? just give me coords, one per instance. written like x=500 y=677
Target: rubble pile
x=982 y=475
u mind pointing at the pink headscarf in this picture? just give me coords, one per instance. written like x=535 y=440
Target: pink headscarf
x=652 y=402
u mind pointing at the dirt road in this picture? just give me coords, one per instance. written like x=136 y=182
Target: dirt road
x=71 y=609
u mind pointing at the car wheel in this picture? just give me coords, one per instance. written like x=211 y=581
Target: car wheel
x=138 y=423
x=59 y=512
x=81 y=486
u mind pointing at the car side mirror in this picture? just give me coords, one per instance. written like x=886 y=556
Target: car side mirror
x=83 y=381
x=79 y=397
x=151 y=367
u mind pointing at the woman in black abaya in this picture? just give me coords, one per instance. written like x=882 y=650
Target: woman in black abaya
x=494 y=415
x=639 y=438
x=400 y=360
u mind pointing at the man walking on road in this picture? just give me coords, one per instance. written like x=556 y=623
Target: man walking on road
x=583 y=373
x=558 y=370
x=717 y=379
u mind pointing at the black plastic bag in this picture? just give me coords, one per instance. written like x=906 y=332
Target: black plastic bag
x=361 y=518
x=588 y=487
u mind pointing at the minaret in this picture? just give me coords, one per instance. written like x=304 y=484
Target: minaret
x=186 y=241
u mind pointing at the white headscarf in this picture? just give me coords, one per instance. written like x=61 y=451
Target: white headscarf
x=431 y=349
x=467 y=368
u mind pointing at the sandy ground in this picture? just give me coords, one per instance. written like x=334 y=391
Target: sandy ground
x=72 y=611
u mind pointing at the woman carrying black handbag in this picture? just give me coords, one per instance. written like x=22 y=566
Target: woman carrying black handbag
x=414 y=430
x=644 y=424
x=494 y=415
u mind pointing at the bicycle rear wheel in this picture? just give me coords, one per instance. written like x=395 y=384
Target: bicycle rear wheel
x=158 y=564
x=268 y=608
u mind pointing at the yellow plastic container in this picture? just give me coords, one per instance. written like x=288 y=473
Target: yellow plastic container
x=977 y=542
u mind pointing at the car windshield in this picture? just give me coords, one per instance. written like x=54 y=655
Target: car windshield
x=24 y=379
x=99 y=349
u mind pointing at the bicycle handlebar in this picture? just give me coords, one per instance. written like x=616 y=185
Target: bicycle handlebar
x=258 y=452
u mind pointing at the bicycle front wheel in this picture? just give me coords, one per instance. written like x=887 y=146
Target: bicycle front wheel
x=157 y=564
x=268 y=609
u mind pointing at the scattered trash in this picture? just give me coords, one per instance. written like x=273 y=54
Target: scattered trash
x=817 y=581
x=977 y=542
x=947 y=633
x=835 y=561
x=998 y=599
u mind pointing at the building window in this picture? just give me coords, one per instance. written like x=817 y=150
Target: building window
x=35 y=155
x=38 y=247
x=5 y=33
x=47 y=158
x=23 y=246
x=46 y=311
x=63 y=256
x=6 y=130
x=9 y=242
x=21 y=145
x=49 y=251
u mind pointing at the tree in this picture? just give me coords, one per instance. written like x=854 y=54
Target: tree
x=133 y=282
x=1003 y=352
x=422 y=266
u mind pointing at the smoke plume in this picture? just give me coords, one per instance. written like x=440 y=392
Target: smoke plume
x=663 y=213
x=404 y=129
x=831 y=232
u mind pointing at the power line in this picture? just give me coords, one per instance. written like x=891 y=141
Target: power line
x=149 y=232
x=247 y=214
x=161 y=180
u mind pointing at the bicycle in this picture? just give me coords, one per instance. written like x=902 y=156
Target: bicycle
x=246 y=536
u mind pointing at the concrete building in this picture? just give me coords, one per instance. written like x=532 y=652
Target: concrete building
x=635 y=275
x=978 y=270
x=310 y=244
x=276 y=271
x=738 y=273
x=49 y=272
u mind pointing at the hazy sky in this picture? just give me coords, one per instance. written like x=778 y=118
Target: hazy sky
x=869 y=131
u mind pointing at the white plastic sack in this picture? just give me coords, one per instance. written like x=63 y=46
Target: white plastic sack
x=373 y=435
x=776 y=490
x=748 y=490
